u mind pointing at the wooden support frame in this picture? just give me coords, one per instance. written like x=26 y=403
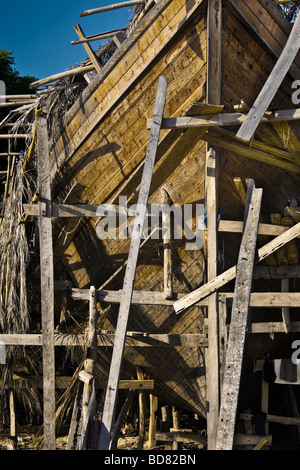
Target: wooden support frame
x=47 y=280
x=239 y=317
x=115 y=367
x=230 y=274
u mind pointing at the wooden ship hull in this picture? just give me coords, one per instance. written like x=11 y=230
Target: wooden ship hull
x=103 y=147
x=97 y=154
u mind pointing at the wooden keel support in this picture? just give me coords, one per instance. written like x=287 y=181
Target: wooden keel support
x=115 y=367
x=239 y=317
x=47 y=281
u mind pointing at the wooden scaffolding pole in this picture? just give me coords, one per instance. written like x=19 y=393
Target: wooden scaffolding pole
x=214 y=57
x=47 y=281
x=115 y=367
x=272 y=84
x=239 y=317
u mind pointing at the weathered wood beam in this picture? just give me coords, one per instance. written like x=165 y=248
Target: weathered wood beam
x=115 y=367
x=214 y=96
x=107 y=340
x=115 y=6
x=97 y=37
x=93 y=57
x=68 y=73
x=230 y=274
x=225 y=119
x=272 y=84
x=257 y=151
x=47 y=280
x=239 y=317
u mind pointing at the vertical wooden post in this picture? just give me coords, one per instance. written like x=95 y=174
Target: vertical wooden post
x=91 y=349
x=167 y=239
x=239 y=317
x=153 y=420
x=285 y=310
x=116 y=361
x=142 y=412
x=13 y=427
x=176 y=425
x=214 y=96
x=47 y=281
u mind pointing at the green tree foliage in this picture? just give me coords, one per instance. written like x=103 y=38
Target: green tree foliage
x=15 y=83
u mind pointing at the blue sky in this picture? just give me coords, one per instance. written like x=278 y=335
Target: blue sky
x=40 y=33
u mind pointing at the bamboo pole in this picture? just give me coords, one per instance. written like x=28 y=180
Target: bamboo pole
x=111 y=7
x=58 y=76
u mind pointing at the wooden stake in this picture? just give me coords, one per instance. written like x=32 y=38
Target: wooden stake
x=47 y=281
x=142 y=412
x=153 y=420
x=239 y=317
x=13 y=423
x=167 y=240
x=112 y=388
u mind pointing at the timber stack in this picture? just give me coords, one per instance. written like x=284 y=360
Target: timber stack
x=150 y=234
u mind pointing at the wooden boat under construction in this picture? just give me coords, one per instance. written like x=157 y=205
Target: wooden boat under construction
x=180 y=315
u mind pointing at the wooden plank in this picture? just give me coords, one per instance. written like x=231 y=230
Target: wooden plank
x=167 y=246
x=272 y=84
x=285 y=310
x=111 y=394
x=187 y=437
x=93 y=57
x=225 y=119
x=239 y=317
x=214 y=96
x=47 y=281
x=230 y=274
x=247 y=439
x=273 y=327
x=108 y=339
x=153 y=420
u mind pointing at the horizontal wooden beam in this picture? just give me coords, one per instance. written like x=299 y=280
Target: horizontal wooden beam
x=15 y=136
x=186 y=437
x=257 y=299
x=135 y=339
x=63 y=382
x=273 y=419
x=273 y=327
x=225 y=119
